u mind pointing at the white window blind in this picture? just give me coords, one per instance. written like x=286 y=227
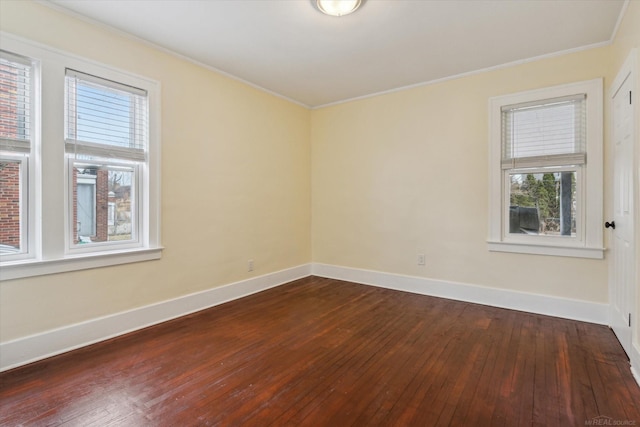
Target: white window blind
x=544 y=133
x=15 y=103
x=104 y=118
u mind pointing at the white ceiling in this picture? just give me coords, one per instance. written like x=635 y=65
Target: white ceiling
x=289 y=48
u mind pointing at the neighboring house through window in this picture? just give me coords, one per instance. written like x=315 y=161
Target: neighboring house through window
x=106 y=144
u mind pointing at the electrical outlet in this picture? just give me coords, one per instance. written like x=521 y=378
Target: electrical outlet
x=421 y=259
x=250 y=265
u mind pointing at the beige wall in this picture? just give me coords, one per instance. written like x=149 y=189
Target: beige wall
x=627 y=37
x=235 y=184
x=407 y=173
x=243 y=173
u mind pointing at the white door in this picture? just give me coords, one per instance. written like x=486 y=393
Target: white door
x=622 y=237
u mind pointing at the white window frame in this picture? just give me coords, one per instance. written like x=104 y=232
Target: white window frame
x=588 y=242
x=138 y=212
x=29 y=174
x=49 y=249
x=543 y=239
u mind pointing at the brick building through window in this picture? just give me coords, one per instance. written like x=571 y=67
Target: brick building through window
x=14 y=138
x=101 y=205
x=10 y=203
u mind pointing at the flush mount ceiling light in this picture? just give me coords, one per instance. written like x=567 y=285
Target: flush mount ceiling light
x=338 y=7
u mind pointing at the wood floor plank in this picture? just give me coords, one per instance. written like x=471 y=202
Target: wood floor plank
x=324 y=352
x=480 y=354
x=545 y=402
x=431 y=375
x=498 y=334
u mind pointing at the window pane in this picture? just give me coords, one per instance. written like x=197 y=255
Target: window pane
x=14 y=98
x=10 y=199
x=103 y=208
x=104 y=115
x=543 y=203
x=549 y=128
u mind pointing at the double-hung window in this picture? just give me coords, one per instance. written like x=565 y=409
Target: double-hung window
x=79 y=163
x=546 y=171
x=17 y=133
x=106 y=140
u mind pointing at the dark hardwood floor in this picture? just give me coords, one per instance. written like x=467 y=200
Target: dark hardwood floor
x=322 y=352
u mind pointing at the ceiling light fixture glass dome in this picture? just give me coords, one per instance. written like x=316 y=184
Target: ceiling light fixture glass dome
x=338 y=7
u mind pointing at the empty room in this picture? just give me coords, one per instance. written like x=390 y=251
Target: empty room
x=319 y=212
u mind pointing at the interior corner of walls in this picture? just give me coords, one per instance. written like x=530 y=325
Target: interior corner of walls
x=566 y=308
x=36 y=347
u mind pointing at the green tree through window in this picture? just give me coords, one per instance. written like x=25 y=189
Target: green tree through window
x=543 y=191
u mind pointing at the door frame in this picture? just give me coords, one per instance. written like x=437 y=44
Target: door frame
x=629 y=68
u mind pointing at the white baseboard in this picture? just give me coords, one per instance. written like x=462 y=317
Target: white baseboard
x=40 y=346
x=634 y=358
x=522 y=301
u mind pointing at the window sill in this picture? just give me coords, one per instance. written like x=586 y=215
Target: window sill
x=567 y=251
x=29 y=268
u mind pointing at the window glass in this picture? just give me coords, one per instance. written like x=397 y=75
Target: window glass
x=11 y=205
x=103 y=203
x=105 y=118
x=545 y=128
x=543 y=203
x=15 y=97
x=103 y=115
